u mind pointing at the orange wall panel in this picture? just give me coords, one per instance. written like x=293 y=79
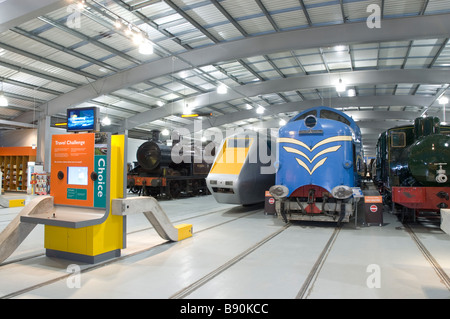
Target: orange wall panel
x=17 y=151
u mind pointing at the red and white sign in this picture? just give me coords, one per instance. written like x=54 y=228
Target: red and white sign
x=373 y=208
x=271 y=201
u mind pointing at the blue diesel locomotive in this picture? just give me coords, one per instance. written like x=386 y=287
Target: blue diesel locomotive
x=320 y=161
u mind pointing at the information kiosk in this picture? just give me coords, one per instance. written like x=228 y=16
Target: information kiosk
x=84 y=215
x=86 y=174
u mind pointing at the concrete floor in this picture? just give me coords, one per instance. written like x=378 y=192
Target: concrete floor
x=362 y=262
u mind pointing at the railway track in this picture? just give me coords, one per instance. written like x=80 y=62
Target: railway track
x=445 y=279
x=305 y=288
x=117 y=259
x=210 y=276
x=314 y=273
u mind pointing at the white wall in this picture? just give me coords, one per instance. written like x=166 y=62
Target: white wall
x=16 y=138
x=133 y=145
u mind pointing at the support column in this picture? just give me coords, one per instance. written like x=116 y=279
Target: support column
x=43 y=142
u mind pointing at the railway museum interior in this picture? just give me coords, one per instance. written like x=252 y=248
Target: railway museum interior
x=239 y=150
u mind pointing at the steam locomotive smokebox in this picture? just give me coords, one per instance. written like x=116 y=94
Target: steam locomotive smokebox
x=152 y=155
x=373 y=210
x=269 y=204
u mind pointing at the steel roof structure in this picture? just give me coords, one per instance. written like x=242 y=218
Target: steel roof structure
x=277 y=56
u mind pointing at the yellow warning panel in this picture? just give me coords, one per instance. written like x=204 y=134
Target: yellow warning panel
x=16 y=202
x=184 y=231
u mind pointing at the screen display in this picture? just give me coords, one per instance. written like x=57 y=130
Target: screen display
x=82 y=119
x=77 y=176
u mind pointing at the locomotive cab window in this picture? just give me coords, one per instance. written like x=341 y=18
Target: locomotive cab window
x=330 y=115
x=398 y=139
x=303 y=116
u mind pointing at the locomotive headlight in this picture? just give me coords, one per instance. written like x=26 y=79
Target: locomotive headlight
x=310 y=121
x=279 y=191
x=342 y=192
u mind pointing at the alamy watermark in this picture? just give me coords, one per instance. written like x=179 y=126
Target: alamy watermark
x=74 y=18
x=75 y=11
x=235 y=145
x=374 y=279
x=74 y=279
x=374 y=19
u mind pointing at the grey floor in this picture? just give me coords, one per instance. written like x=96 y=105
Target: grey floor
x=239 y=253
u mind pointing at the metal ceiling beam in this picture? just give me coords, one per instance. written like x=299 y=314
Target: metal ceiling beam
x=16 y=12
x=18 y=68
x=268 y=16
x=47 y=61
x=433 y=26
x=62 y=48
x=375 y=101
x=93 y=41
x=317 y=81
x=30 y=86
x=17 y=124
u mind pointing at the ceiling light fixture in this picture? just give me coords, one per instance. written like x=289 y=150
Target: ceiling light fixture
x=222 y=89
x=443 y=100
x=341 y=87
x=118 y=24
x=351 y=93
x=138 y=38
x=3 y=100
x=106 y=121
x=81 y=4
x=146 y=48
x=260 y=110
x=129 y=30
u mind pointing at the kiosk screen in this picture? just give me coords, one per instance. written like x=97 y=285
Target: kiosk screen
x=77 y=176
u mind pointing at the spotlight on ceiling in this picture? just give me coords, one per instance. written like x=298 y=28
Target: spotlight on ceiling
x=341 y=87
x=222 y=89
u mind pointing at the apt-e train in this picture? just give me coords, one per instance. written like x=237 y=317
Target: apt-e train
x=243 y=169
x=320 y=161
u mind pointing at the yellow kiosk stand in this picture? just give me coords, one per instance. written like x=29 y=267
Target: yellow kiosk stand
x=86 y=174
x=84 y=216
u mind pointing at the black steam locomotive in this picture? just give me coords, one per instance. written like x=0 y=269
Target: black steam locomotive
x=167 y=171
x=412 y=167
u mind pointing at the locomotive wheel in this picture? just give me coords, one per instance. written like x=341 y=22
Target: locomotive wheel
x=135 y=189
x=407 y=215
x=174 y=189
x=195 y=188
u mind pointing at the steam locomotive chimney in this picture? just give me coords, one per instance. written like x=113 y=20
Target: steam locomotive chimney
x=426 y=126
x=155 y=135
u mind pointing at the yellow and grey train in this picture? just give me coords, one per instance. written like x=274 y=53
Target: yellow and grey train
x=243 y=169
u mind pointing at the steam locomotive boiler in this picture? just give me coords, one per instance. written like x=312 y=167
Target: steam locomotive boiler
x=163 y=170
x=413 y=167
